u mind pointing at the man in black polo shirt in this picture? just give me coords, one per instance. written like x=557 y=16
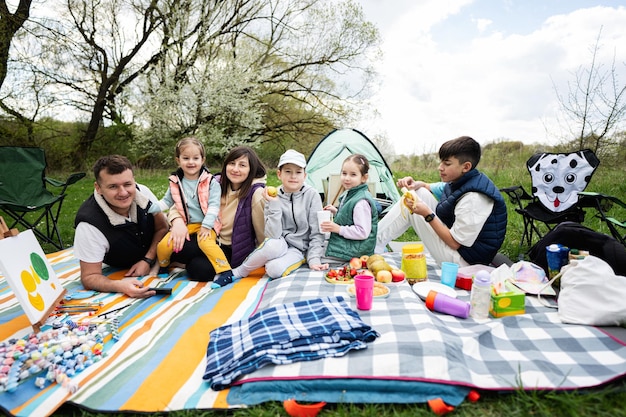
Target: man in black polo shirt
x=113 y=226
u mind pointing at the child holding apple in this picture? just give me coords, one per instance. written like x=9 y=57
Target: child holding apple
x=291 y=228
x=353 y=229
x=195 y=194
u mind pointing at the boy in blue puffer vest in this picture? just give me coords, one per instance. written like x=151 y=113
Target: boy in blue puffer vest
x=467 y=225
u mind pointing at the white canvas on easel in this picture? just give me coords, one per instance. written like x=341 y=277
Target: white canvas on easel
x=30 y=276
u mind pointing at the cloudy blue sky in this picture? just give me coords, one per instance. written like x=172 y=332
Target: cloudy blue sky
x=490 y=69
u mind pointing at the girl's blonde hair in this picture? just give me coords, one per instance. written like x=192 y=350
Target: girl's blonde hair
x=189 y=141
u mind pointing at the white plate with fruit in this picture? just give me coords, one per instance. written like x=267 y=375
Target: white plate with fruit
x=343 y=275
x=374 y=265
x=339 y=276
x=346 y=274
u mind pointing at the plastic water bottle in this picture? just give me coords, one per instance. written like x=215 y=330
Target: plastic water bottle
x=480 y=296
x=442 y=303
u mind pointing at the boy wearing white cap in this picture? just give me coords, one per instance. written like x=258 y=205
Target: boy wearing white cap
x=291 y=227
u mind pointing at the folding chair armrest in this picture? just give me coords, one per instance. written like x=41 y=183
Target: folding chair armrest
x=54 y=182
x=602 y=202
x=73 y=178
x=616 y=222
x=592 y=195
x=517 y=194
x=518 y=190
x=509 y=189
x=617 y=201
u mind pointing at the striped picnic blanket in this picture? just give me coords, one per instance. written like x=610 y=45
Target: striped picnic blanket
x=158 y=362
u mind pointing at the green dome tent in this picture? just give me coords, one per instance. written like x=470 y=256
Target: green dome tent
x=324 y=166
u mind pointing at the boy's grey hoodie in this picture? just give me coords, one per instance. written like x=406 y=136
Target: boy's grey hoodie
x=294 y=217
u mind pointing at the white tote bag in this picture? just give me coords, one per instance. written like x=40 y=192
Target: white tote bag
x=592 y=294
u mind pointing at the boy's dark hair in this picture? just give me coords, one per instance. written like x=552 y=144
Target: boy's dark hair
x=463 y=148
x=257 y=169
x=113 y=164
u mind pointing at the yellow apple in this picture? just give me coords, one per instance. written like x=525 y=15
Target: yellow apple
x=272 y=191
x=383 y=276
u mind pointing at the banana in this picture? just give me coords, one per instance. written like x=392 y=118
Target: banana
x=408 y=198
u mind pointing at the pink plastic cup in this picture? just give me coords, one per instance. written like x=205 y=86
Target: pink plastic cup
x=364 y=291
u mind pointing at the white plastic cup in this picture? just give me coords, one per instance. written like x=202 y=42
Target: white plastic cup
x=323 y=216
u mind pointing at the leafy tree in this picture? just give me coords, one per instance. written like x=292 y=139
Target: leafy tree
x=107 y=46
x=228 y=71
x=264 y=78
x=10 y=24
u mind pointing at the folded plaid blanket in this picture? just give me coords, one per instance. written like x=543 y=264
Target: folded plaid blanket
x=300 y=331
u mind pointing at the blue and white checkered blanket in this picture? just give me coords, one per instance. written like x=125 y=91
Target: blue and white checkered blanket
x=528 y=351
x=299 y=331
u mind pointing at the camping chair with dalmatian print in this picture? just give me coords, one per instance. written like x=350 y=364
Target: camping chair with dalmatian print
x=556 y=179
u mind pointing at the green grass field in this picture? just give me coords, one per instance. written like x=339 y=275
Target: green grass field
x=602 y=401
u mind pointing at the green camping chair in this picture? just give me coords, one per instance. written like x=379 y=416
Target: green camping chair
x=23 y=191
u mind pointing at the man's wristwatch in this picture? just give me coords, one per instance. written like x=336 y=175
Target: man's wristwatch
x=150 y=261
x=429 y=218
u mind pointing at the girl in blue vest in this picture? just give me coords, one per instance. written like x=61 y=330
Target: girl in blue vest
x=196 y=195
x=353 y=229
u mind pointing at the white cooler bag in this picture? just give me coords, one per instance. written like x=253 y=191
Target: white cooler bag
x=592 y=294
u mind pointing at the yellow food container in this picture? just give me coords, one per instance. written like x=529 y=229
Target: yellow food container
x=414 y=262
